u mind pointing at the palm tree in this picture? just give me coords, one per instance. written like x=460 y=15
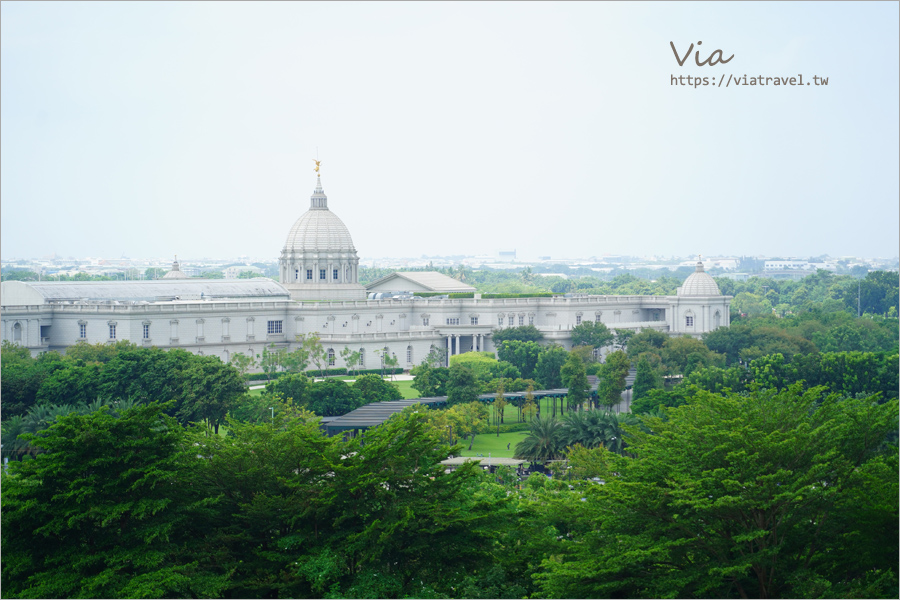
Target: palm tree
x=544 y=441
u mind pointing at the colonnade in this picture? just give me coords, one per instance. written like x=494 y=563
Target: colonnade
x=454 y=343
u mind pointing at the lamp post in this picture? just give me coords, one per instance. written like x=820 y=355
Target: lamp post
x=272 y=408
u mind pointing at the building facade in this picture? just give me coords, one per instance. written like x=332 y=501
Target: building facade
x=320 y=294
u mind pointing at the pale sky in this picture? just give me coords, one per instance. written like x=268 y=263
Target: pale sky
x=153 y=129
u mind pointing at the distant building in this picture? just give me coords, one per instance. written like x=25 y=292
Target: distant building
x=320 y=294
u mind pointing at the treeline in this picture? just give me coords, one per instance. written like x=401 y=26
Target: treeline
x=874 y=293
x=764 y=494
x=198 y=389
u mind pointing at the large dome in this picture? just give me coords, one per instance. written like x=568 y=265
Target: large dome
x=319 y=229
x=699 y=283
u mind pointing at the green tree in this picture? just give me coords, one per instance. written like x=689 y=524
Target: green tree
x=461 y=385
x=611 y=382
x=430 y=381
x=351 y=358
x=523 y=333
x=242 y=362
x=521 y=354
x=333 y=397
x=107 y=511
x=590 y=333
x=544 y=440
x=469 y=419
x=645 y=380
x=649 y=340
x=742 y=495
x=375 y=389
x=575 y=379
x=549 y=364
x=295 y=387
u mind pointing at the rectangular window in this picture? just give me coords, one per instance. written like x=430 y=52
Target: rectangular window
x=274 y=327
x=425 y=321
x=146 y=332
x=597 y=320
x=321 y=273
x=578 y=319
x=82 y=331
x=531 y=319
x=689 y=321
x=473 y=320
x=500 y=321
x=112 y=332
x=521 y=320
x=409 y=355
x=309 y=273
x=334 y=274
x=296 y=274
x=453 y=321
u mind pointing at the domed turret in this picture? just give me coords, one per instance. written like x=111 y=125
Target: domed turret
x=176 y=272
x=319 y=261
x=699 y=283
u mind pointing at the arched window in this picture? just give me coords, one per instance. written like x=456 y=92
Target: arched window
x=362 y=357
x=689 y=319
x=409 y=355
x=331 y=357
x=717 y=319
x=17 y=332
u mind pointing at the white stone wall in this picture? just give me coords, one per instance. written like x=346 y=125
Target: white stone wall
x=222 y=328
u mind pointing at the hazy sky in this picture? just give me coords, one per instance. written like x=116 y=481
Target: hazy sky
x=152 y=129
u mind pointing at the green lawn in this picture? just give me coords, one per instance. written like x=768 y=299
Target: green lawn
x=405 y=388
x=490 y=443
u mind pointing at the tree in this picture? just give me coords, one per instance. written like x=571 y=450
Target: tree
x=742 y=495
x=351 y=358
x=295 y=387
x=114 y=496
x=461 y=385
x=521 y=354
x=550 y=362
x=499 y=404
x=612 y=378
x=375 y=389
x=469 y=419
x=242 y=362
x=590 y=333
x=575 y=379
x=210 y=389
x=313 y=349
x=270 y=360
x=430 y=381
x=543 y=442
x=648 y=340
x=523 y=333
x=530 y=408
x=333 y=398
x=646 y=379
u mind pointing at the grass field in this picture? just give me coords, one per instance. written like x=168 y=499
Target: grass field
x=490 y=443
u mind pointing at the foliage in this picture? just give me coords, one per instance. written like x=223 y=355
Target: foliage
x=611 y=382
x=333 y=397
x=740 y=496
x=461 y=385
x=430 y=381
x=523 y=355
x=290 y=387
x=543 y=442
x=575 y=379
x=105 y=512
x=645 y=380
x=373 y=388
x=523 y=333
x=589 y=333
x=549 y=364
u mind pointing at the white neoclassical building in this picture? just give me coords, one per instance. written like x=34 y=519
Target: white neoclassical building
x=320 y=294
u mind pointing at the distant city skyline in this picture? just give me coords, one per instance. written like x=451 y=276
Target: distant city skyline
x=154 y=129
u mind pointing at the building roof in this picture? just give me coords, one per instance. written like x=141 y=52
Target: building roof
x=699 y=283
x=419 y=281
x=16 y=293
x=175 y=272
x=376 y=413
x=319 y=229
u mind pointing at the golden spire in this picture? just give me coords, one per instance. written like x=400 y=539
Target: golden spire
x=317 y=166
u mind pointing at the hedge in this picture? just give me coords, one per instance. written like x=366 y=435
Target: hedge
x=533 y=295
x=327 y=373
